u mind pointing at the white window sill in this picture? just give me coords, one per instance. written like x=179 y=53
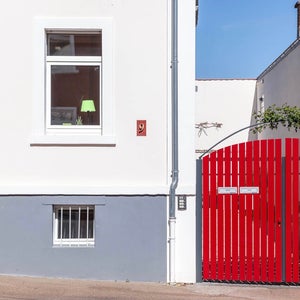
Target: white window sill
x=78 y=140
x=66 y=244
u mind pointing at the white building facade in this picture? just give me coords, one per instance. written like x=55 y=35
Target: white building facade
x=86 y=148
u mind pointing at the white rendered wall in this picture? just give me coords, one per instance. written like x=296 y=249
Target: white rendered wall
x=185 y=220
x=141 y=87
x=186 y=95
x=185 y=267
x=225 y=101
x=140 y=90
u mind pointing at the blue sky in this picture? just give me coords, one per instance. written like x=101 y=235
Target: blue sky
x=240 y=38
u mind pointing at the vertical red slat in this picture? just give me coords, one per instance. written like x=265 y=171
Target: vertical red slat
x=295 y=209
x=271 y=195
x=235 y=216
x=257 y=204
x=249 y=158
x=288 y=227
x=278 y=210
x=213 y=188
x=205 y=217
x=297 y=202
x=263 y=193
x=227 y=239
x=298 y=212
x=242 y=245
x=220 y=257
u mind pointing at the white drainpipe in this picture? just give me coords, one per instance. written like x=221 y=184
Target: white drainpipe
x=174 y=172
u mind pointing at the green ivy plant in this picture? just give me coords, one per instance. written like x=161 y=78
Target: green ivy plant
x=273 y=116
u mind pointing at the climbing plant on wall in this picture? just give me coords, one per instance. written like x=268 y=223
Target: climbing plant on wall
x=273 y=116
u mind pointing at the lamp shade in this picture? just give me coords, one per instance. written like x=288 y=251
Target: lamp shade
x=87 y=105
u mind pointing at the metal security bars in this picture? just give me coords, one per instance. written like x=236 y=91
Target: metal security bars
x=73 y=226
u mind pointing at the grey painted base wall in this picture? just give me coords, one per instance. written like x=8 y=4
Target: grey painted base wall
x=130 y=238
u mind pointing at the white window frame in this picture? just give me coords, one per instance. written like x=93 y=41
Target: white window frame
x=72 y=242
x=42 y=133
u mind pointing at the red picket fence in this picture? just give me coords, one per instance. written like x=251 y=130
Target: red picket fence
x=250 y=212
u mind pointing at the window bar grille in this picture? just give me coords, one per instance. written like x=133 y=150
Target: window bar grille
x=78 y=234
x=70 y=222
x=87 y=224
x=61 y=225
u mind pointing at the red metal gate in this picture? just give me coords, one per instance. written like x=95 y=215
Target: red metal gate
x=250 y=211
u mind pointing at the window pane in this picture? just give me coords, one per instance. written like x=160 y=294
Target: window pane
x=83 y=223
x=77 y=44
x=64 y=224
x=70 y=85
x=91 y=224
x=74 y=223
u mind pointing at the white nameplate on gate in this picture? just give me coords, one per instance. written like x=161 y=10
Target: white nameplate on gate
x=227 y=190
x=249 y=190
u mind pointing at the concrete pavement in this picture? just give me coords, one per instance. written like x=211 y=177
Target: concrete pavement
x=222 y=291
x=29 y=288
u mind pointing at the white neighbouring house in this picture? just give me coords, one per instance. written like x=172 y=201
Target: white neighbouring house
x=223 y=106
x=85 y=184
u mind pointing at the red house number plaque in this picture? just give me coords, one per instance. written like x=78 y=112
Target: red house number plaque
x=141 y=128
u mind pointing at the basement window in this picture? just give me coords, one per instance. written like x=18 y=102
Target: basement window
x=73 y=226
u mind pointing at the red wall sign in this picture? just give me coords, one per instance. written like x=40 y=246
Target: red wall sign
x=141 y=127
